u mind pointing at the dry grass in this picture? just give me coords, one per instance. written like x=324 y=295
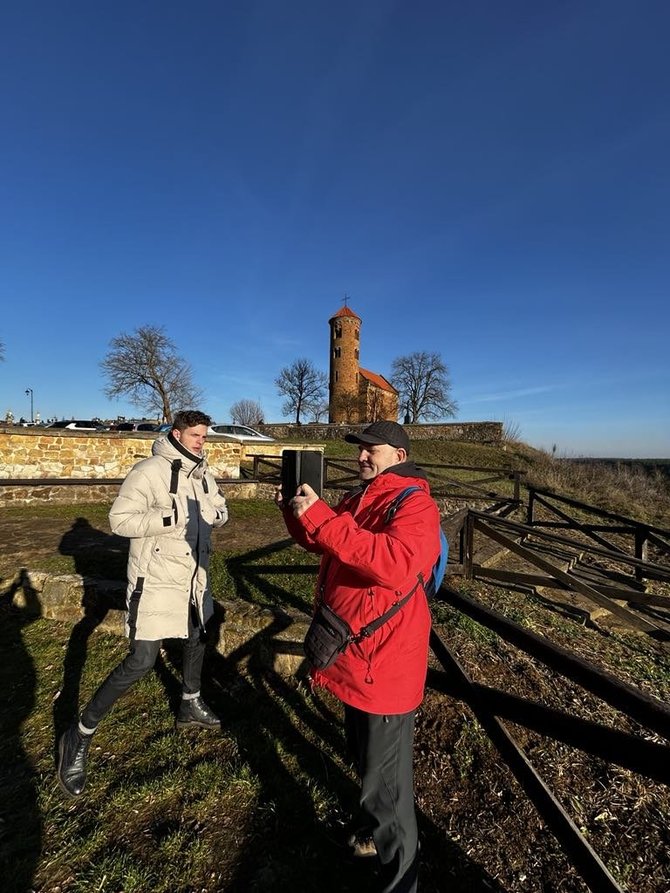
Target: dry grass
x=636 y=489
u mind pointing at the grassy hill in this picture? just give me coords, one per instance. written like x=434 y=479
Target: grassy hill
x=639 y=489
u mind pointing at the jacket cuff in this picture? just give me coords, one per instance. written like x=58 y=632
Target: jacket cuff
x=316 y=515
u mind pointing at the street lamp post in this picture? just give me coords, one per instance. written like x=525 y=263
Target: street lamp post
x=32 y=414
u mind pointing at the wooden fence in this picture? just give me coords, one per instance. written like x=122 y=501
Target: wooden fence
x=492 y=706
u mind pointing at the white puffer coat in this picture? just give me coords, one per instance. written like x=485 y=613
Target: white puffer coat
x=167 y=506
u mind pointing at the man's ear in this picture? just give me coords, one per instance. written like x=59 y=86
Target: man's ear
x=402 y=454
x=176 y=433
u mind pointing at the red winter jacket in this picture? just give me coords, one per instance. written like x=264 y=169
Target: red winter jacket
x=368 y=564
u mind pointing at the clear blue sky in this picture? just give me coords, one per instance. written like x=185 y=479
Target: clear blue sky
x=487 y=180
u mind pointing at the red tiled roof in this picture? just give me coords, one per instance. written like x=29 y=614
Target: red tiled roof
x=344 y=311
x=377 y=380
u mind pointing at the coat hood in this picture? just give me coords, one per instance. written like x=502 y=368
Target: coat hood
x=407 y=469
x=168 y=447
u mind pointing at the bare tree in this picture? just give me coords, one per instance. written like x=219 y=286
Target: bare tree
x=318 y=412
x=144 y=366
x=349 y=406
x=376 y=406
x=247 y=412
x=2 y=351
x=424 y=388
x=303 y=386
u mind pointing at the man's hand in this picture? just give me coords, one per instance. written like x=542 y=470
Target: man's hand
x=304 y=498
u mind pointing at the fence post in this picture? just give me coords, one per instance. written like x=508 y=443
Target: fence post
x=641 y=543
x=468 y=531
x=531 y=500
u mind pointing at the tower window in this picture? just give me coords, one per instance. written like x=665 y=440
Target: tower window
x=356 y=353
x=337 y=376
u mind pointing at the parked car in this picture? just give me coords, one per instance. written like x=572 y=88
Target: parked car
x=78 y=425
x=136 y=426
x=241 y=433
x=164 y=428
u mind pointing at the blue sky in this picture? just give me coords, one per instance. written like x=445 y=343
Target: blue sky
x=485 y=180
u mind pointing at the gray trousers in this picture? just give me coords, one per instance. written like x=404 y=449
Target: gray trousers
x=381 y=747
x=139 y=660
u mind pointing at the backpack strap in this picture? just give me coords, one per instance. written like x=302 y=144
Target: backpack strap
x=388 y=517
x=398 y=605
x=174 y=477
x=397 y=502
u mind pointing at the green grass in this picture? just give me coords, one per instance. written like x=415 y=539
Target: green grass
x=163 y=811
x=280 y=578
x=96 y=512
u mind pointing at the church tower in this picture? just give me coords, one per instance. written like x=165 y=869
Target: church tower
x=345 y=339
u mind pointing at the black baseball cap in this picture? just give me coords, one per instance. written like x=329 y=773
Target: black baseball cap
x=382 y=432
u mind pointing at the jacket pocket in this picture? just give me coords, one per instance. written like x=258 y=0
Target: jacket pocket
x=172 y=562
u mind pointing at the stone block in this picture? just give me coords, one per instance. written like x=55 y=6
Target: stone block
x=267 y=638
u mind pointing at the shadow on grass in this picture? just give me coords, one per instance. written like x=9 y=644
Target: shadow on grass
x=249 y=575
x=20 y=819
x=294 y=745
x=95 y=554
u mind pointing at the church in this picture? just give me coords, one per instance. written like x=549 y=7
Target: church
x=356 y=395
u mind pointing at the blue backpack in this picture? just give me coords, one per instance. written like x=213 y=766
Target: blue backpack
x=439 y=568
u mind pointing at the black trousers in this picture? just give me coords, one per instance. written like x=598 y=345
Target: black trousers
x=381 y=747
x=140 y=659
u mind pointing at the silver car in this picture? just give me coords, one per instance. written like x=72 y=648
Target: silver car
x=241 y=433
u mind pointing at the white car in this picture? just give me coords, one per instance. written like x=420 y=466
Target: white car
x=78 y=425
x=240 y=433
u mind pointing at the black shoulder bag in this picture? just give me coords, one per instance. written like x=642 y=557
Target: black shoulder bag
x=329 y=635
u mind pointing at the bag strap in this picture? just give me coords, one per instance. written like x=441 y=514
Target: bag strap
x=398 y=605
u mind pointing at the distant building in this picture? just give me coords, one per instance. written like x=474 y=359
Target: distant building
x=355 y=394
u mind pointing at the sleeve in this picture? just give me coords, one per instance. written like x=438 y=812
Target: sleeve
x=406 y=546
x=300 y=533
x=218 y=501
x=137 y=513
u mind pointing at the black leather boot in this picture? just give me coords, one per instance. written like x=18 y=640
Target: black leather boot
x=73 y=750
x=194 y=712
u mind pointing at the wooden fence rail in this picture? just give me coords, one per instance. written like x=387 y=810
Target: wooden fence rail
x=642 y=534
x=490 y=706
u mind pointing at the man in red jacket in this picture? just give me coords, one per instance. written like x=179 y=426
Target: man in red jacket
x=372 y=558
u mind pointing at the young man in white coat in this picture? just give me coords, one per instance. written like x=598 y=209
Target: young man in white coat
x=167 y=507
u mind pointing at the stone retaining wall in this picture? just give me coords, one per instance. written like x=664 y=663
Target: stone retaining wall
x=246 y=632
x=41 y=453
x=28 y=492
x=470 y=432
x=30 y=455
